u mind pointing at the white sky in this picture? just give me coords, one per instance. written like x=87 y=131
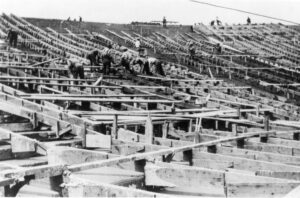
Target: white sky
x=125 y=11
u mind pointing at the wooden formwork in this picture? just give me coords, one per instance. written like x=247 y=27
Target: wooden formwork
x=188 y=134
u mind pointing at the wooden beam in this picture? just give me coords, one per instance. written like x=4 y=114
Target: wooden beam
x=101 y=99
x=68 y=155
x=21 y=143
x=185 y=178
x=36 y=82
x=180 y=80
x=141 y=156
x=16 y=127
x=200 y=159
x=87 y=188
x=44 y=79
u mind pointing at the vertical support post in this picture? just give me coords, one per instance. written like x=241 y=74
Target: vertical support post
x=57 y=129
x=257 y=110
x=191 y=125
x=267 y=122
x=149 y=130
x=234 y=129
x=84 y=135
x=239 y=112
x=115 y=127
x=165 y=129
x=216 y=124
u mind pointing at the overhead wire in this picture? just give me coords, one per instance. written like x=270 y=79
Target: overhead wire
x=243 y=11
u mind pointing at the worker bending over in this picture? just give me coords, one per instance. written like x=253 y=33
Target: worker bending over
x=107 y=59
x=75 y=67
x=141 y=65
x=156 y=66
x=125 y=60
x=93 y=57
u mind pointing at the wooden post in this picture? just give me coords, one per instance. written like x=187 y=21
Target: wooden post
x=267 y=122
x=115 y=127
x=239 y=112
x=216 y=124
x=191 y=125
x=149 y=130
x=165 y=129
x=234 y=129
x=84 y=135
x=257 y=110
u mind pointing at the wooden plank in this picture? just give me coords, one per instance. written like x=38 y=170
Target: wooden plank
x=258 y=155
x=21 y=143
x=242 y=163
x=98 y=141
x=16 y=127
x=240 y=186
x=101 y=99
x=185 y=178
x=69 y=155
x=85 y=188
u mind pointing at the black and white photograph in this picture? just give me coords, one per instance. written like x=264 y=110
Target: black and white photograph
x=150 y=98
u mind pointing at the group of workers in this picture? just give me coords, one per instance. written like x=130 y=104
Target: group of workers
x=133 y=65
x=219 y=23
x=217 y=50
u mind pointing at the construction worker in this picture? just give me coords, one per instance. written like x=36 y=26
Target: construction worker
x=141 y=65
x=138 y=45
x=75 y=67
x=93 y=57
x=192 y=49
x=164 y=22
x=156 y=66
x=248 y=21
x=44 y=58
x=125 y=60
x=219 y=23
x=9 y=37
x=12 y=37
x=107 y=59
x=15 y=38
